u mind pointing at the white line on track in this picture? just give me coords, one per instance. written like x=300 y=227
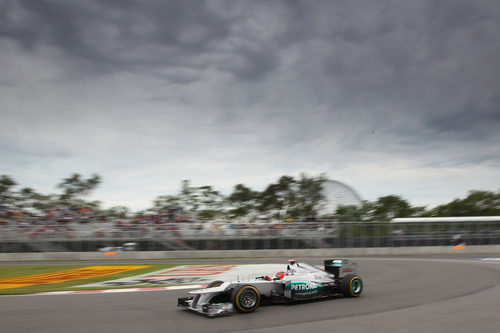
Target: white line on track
x=124 y=290
x=111 y=291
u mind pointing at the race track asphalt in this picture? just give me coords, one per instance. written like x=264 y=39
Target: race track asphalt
x=401 y=295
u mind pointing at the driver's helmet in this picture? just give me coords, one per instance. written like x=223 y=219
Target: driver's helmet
x=279 y=275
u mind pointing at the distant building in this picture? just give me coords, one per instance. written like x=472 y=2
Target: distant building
x=338 y=194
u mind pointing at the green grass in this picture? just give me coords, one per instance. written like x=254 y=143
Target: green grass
x=17 y=271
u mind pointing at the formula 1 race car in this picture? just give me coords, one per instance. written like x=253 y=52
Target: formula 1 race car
x=301 y=281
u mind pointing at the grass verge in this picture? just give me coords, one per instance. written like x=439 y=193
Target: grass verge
x=18 y=271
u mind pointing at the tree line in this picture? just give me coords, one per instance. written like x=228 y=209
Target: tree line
x=74 y=192
x=476 y=203
x=288 y=197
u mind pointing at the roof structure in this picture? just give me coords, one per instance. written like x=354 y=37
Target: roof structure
x=338 y=194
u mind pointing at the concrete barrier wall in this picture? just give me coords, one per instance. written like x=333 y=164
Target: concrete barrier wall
x=304 y=253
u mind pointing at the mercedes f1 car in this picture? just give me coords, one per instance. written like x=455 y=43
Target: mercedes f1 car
x=300 y=282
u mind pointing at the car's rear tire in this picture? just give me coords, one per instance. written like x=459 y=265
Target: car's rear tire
x=351 y=285
x=245 y=299
x=215 y=283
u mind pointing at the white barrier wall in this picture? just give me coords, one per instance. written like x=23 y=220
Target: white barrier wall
x=304 y=253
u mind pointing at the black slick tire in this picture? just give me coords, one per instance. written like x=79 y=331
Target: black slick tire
x=245 y=298
x=351 y=285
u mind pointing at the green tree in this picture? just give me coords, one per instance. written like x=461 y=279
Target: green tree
x=204 y=201
x=278 y=199
x=350 y=213
x=310 y=195
x=43 y=202
x=383 y=209
x=286 y=196
x=188 y=197
x=268 y=200
x=353 y=213
x=75 y=189
x=292 y=198
x=163 y=203
x=477 y=203
x=210 y=202
x=7 y=195
x=391 y=206
x=242 y=201
x=29 y=198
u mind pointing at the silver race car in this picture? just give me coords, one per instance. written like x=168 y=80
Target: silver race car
x=301 y=281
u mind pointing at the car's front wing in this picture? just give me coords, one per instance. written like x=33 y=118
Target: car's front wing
x=198 y=304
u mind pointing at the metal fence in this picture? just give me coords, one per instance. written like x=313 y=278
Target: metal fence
x=170 y=237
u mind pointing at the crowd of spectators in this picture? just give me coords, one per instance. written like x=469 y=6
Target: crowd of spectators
x=50 y=224
x=85 y=223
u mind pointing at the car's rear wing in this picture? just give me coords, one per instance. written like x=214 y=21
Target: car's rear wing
x=340 y=267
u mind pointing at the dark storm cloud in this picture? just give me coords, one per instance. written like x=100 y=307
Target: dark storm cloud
x=292 y=83
x=127 y=35
x=117 y=35
x=407 y=57
x=476 y=116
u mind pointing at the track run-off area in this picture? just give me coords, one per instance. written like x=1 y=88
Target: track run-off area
x=403 y=294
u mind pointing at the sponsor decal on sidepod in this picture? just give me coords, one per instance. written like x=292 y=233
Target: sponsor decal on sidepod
x=304 y=289
x=303 y=286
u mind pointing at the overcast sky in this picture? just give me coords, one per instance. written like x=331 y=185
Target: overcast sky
x=390 y=97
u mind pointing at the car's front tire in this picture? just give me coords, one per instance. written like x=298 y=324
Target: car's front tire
x=246 y=298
